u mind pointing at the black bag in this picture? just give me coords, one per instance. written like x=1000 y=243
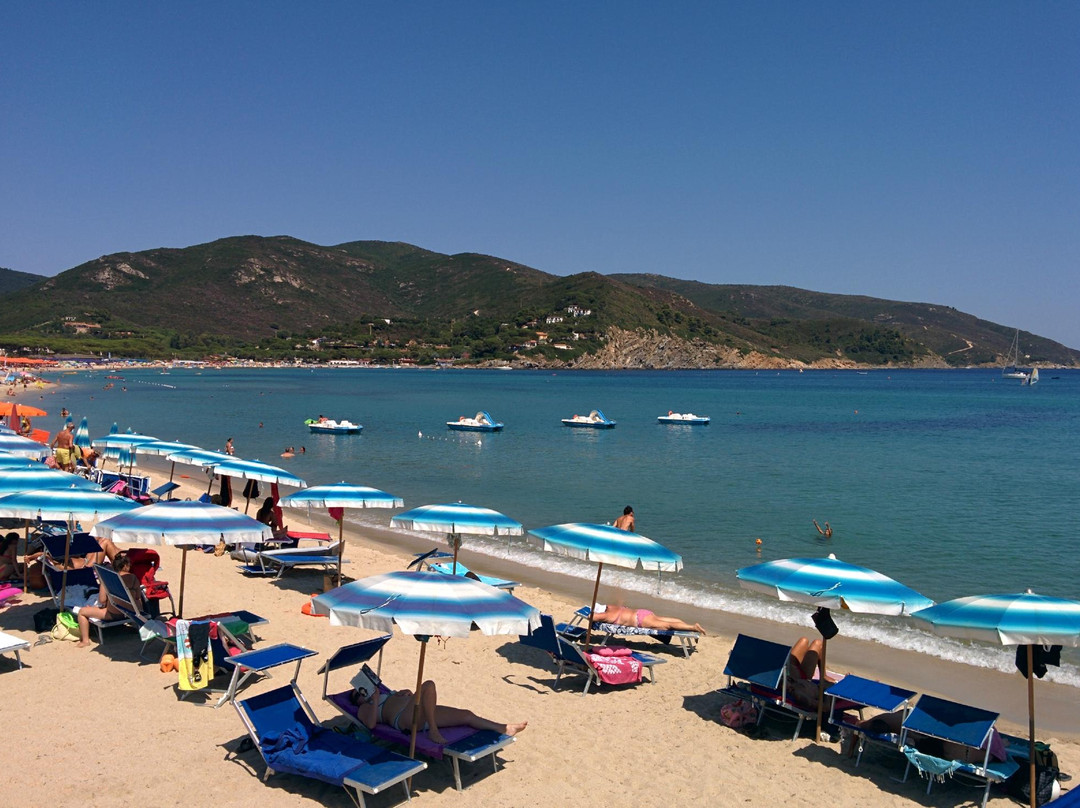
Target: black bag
x=45 y=619
x=824 y=622
x=1019 y=785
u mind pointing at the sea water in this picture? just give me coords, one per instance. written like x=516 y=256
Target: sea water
x=953 y=482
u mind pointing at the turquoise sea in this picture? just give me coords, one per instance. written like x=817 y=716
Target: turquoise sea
x=954 y=482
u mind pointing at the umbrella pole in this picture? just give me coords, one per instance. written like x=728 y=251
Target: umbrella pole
x=592 y=606
x=341 y=551
x=67 y=560
x=821 y=687
x=172 y=470
x=1031 y=718
x=183 y=572
x=26 y=560
x=416 y=700
x=455 y=542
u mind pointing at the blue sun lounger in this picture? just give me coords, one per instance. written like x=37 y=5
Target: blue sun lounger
x=969 y=727
x=757 y=671
x=568 y=657
x=578 y=625
x=291 y=740
x=276 y=562
x=499 y=583
x=873 y=694
x=464 y=744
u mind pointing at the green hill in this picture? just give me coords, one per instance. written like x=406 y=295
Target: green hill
x=269 y=297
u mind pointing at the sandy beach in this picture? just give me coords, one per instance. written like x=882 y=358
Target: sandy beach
x=102 y=725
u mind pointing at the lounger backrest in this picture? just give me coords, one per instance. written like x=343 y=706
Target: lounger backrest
x=81 y=544
x=119 y=595
x=319 y=550
x=543 y=637
x=351 y=655
x=951 y=721
x=758 y=661
x=274 y=711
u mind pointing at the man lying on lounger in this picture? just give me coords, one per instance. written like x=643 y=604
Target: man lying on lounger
x=396 y=709
x=641 y=618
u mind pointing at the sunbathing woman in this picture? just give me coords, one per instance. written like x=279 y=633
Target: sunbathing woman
x=396 y=709
x=803 y=661
x=642 y=618
x=105 y=610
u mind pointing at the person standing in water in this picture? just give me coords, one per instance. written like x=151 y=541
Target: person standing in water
x=626 y=521
x=826 y=532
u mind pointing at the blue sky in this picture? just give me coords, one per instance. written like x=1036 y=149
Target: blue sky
x=912 y=151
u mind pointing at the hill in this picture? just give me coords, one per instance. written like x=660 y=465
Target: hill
x=278 y=297
x=12 y=280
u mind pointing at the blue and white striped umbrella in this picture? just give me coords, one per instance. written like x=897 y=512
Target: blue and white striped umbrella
x=68 y=504
x=426 y=604
x=832 y=584
x=165 y=447
x=1017 y=619
x=64 y=503
x=608 y=545
x=197 y=457
x=24 y=447
x=185 y=523
x=1020 y=619
x=122 y=440
x=14 y=461
x=457 y=518
x=41 y=478
x=82 y=434
x=341 y=495
x=255 y=470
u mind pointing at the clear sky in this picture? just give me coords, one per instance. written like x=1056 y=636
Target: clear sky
x=920 y=151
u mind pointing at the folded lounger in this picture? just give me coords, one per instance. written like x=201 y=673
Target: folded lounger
x=463 y=742
x=12 y=644
x=955 y=723
x=275 y=562
x=447 y=568
x=570 y=658
x=869 y=693
x=757 y=670
x=579 y=623
x=290 y=739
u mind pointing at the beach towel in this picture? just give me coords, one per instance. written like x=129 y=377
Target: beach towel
x=615 y=668
x=191 y=676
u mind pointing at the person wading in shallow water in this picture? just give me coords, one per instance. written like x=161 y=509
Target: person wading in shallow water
x=626 y=521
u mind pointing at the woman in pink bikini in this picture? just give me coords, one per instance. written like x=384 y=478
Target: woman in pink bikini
x=642 y=618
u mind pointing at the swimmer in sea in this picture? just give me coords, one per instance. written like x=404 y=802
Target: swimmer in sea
x=826 y=532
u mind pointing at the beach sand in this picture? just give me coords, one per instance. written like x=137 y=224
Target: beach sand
x=101 y=726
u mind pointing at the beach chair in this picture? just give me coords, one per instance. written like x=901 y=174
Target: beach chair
x=133 y=486
x=569 y=658
x=967 y=735
x=10 y=644
x=498 y=583
x=601 y=632
x=758 y=671
x=145 y=564
x=163 y=492
x=81 y=582
x=291 y=740
x=464 y=744
x=872 y=694
x=276 y=562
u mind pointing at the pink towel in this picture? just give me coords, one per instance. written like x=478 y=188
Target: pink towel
x=615 y=669
x=610 y=652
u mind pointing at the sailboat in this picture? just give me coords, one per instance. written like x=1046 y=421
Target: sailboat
x=1012 y=369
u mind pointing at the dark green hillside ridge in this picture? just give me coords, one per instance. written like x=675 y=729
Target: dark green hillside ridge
x=941 y=329
x=275 y=296
x=11 y=280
